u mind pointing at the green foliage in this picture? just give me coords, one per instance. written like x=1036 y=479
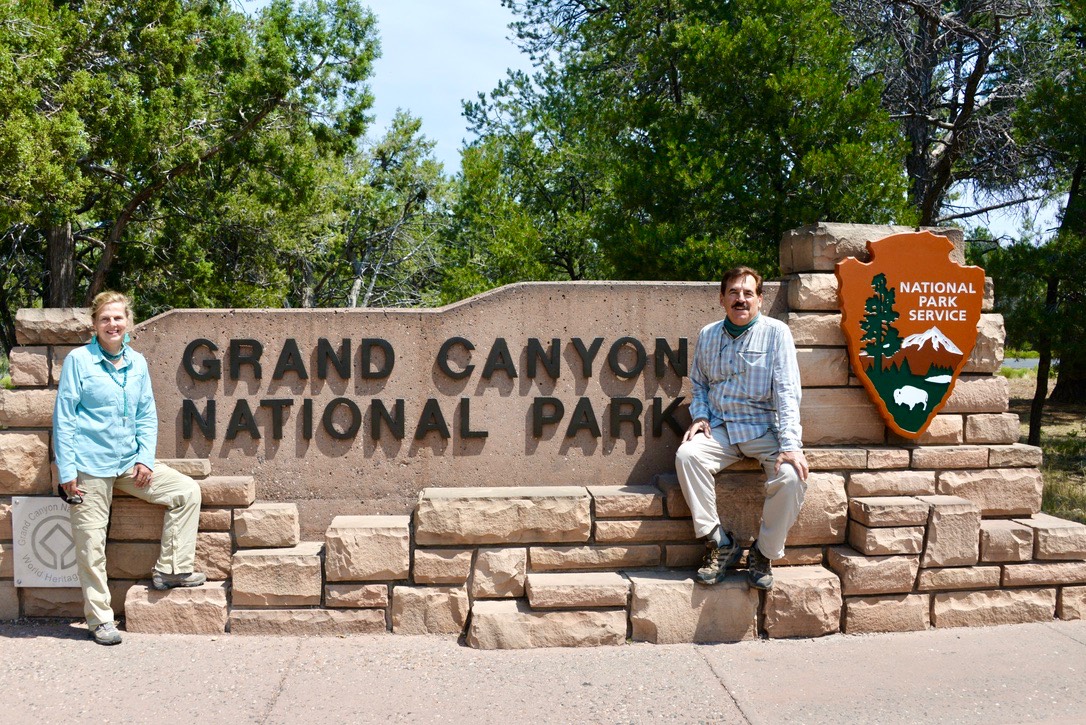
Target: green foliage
x=677 y=139
x=1020 y=354
x=952 y=75
x=164 y=134
x=379 y=243
x=523 y=212
x=1024 y=272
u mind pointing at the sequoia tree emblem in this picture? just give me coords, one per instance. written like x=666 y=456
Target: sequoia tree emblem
x=910 y=317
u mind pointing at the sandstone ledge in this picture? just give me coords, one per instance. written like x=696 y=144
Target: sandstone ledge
x=510 y=624
x=278 y=577
x=429 y=610
x=671 y=608
x=991 y=607
x=227 y=490
x=577 y=590
x=805 y=601
x=196 y=610
x=618 y=502
x=539 y=514
x=890 y=613
x=367 y=548
x=307 y=622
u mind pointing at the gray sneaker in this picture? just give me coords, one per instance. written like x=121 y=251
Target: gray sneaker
x=759 y=568
x=106 y=634
x=718 y=560
x=169 y=581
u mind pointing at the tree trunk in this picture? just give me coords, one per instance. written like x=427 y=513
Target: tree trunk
x=60 y=251
x=1037 y=407
x=1044 y=365
x=1071 y=383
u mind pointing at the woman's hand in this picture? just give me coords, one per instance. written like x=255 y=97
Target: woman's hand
x=72 y=487
x=142 y=475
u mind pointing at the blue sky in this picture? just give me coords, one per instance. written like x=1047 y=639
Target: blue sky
x=434 y=55
x=437 y=53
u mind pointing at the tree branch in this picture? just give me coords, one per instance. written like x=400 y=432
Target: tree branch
x=986 y=209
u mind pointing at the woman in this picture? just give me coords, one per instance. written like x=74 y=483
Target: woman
x=105 y=429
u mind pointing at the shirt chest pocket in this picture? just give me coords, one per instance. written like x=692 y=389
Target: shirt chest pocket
x=755 y=364
x=754 y=358
x=98 y=392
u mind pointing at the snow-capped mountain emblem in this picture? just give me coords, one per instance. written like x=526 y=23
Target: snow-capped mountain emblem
x=935 y=338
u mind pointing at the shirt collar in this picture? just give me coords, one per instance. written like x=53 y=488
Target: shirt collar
x=99 y=355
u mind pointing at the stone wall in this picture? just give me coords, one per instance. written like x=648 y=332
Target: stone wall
x=363 y=474
x=894 y=535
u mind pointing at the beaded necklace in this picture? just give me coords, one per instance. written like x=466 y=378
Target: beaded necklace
x=122 y=382
x=110 y=356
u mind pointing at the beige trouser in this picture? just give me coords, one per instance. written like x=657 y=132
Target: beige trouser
x=90 y=519
x=698 y=460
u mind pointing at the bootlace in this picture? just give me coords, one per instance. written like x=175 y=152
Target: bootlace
x=759 y=562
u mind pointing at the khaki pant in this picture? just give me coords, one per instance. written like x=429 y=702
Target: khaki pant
x=90 y=519
x=697 y=461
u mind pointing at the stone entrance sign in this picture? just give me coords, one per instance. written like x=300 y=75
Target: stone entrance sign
x=502 y=469
x=44 y=549
x=356 y=411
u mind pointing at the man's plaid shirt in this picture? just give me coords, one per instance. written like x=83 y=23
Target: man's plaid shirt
x=750 y=384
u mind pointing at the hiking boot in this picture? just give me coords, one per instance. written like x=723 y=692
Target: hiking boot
x=759 y=568
x=718 y=560
x=106 y=634
x=169 y=581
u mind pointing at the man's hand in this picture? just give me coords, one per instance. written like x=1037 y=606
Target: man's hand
x=797 y=459
x=72 y=487
x=142 y=474
x=698 y=426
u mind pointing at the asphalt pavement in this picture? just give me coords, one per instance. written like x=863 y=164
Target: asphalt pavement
x=50 y=672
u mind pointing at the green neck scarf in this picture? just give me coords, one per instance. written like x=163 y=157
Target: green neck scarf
x=736 y=330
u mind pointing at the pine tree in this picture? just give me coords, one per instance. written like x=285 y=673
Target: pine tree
x=881 y=336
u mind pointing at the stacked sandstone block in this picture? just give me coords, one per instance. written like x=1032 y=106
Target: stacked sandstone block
x=227 y=513
x=585 y=566
x=945 y=530
x=45 y=338
x=894 y=534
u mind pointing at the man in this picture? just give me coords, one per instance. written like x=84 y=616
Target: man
x=746 y=394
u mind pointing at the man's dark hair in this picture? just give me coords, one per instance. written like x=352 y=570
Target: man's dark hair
x=737 y=272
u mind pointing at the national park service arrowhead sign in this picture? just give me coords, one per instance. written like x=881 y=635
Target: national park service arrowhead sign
x=910 y=317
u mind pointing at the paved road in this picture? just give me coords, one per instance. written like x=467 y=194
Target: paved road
x=50 y=672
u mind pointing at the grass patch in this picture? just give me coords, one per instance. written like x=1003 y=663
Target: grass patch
x=1064 y=496
x=1063 y=443
x=1014 y=373
x=1064 y=471
x=1020 y=354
